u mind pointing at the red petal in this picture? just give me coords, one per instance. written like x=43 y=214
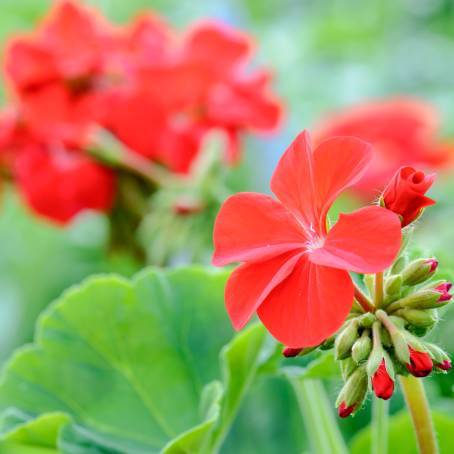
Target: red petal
x=253 y=226
x=293 y=180
x=339 y=163
x=365 y=241
x=307 y=183
x=251 y=283
x=309 y=306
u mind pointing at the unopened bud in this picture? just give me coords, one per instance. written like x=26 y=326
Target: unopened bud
x=420 y=364
x=362 y=347
x=398 y=339
x=366 y=320
x=345 y=340
x=419 y=318
x=291 y=352
x=399 y=265
x=347 y=366
x=382 y=382
x=418 y=271
x=393 y=287
x=328 y=344
x=353 y=393
x=444 y=289
x=439 y=357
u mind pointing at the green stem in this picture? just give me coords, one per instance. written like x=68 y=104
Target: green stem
x=378 y=293
x=417 y=404
x=321 y=426
x=379 y=426
x=363 y=300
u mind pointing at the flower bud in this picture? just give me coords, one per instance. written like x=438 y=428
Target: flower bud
x=393 y=287
x=291 y=352
x=420 y=364
x=439 y=357
x=353 y=393
x=382 y=383
x=419 y=318
x=362 y=347
x=426 y=298
x=345 y=340
x=366 y=320
x=347 y=366
x=405 y=194
x=444 y=289
x=418 y=271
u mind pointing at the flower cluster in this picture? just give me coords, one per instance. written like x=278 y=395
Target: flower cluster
x=295 y=268
x=158 y=92
x=382 y=339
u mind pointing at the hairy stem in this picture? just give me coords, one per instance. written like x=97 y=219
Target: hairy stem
x=363 y=300
x=378 y=293
x=321 y=426
x=417 y=404
x=379 y=426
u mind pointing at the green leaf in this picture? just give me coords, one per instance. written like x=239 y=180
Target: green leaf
x=134 y=366
x=401 y=435
x=323 y=366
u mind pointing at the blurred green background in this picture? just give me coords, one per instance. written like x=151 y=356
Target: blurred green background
x=325 y=54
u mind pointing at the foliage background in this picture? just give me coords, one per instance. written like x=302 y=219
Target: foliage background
x=325 y=54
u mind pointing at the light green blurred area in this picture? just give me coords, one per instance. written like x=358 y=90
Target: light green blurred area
x=324 y=54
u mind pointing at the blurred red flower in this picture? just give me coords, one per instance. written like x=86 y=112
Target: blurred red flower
x=56 y=71
x=295 y=272
x=402 y=130
x=191 y=87
x=58 y=183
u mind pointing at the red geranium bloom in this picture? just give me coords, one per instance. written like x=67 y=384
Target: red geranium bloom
x=405 y=193
x=58 y=183
x=295 y=272
x=402 y=130
x=56 y=71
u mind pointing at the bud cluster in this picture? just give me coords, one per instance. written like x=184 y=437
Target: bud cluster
x=373 y=347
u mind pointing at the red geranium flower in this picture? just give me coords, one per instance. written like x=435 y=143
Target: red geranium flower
x=295 y=272
x=58 y=183
x=402 y=130
x=56 y=71
x=405 y=193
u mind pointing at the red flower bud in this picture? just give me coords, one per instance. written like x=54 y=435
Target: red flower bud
x=420 y=364
x=382 y=383
x=405 y=193
x=444 y=365
x=290 y=352
x=443 y=289
x=345 y=411
x=433 y=264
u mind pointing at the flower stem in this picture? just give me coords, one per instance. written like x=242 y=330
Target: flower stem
x=363 y=300
x=380 y=426
x=321 y=426
x=417 y=403
x=378 y=294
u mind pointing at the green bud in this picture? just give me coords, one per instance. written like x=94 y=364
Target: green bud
x=393 y=287
x=422 y=299
x=399 y=265
x=355 y=389
x=328 y=344
x=366 y=320
x=415 y=317
x=345 y=340
x=362 y=347
x=437 y=354
x=348 y=366
x=418 y=271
